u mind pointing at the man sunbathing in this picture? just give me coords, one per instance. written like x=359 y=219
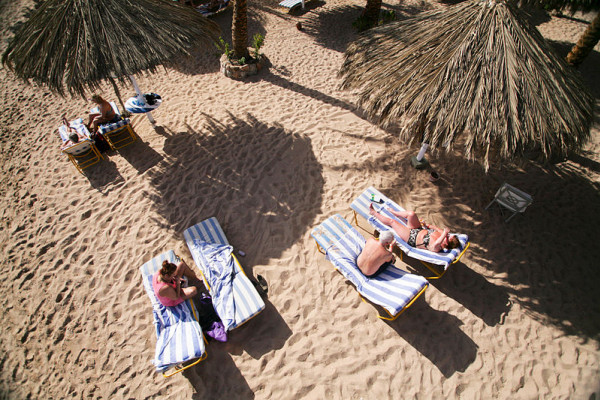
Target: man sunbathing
x=167 y=283
x=376 y=256
x=421 y=236
x=105 y=115
x=74 y=135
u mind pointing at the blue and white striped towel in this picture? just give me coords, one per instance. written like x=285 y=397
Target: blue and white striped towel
x=392 y=289
x=178 y=333
x=361 y=206
x=248 y=302
x=219 y=271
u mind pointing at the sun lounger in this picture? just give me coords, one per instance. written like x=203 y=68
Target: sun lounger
x=394 y=289
x=84 y=153
x=119 y=133
x=444 y=258
x=234 y=296
x=291 y=3
x=179 y=336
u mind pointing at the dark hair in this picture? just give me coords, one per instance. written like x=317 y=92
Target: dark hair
x=453 y=242
x=73 y=137
x=167 y=268
x=97 y=99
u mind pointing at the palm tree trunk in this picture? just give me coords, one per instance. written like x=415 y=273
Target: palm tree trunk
x=371 y=11
x=586 y=43
x=239 y=29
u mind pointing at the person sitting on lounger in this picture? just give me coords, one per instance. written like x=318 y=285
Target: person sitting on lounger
x=167 y=283
x=105 y=115
x=376 y=256
x=421 y=236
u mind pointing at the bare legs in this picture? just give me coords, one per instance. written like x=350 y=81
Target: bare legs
x=183 y=269
x=411 y=218
x=400 y=229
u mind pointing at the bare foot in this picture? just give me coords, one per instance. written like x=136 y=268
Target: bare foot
x=372 y=209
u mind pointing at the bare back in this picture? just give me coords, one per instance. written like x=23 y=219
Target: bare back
x=372 y=257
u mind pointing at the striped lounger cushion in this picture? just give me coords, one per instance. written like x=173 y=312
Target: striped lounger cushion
x=393 y=289
x=179 y=336
x=79 y=127
x=361 y=206
x=248 y=302
x=106 y=128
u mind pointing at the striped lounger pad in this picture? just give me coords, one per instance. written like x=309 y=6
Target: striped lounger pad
x=179 y=336
x=291 y=3
x=443 y=258
x=79 y=127
x=248 y=302
x=105 y=128
x=112 y=126
x=392 y=289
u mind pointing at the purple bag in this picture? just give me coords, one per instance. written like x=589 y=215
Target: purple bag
x=209 y=320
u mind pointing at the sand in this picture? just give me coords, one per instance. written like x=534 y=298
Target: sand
x=272 y=157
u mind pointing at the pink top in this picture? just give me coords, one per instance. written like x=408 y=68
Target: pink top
x=165 y=301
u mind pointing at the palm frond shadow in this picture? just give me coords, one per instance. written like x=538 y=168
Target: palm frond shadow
x=531 y=257
x=332 y=28
x=253 y=193
x=429 y=331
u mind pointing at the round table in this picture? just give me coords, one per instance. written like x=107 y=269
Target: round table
x=138 y=105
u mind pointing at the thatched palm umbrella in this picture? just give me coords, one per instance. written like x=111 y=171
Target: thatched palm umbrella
x=477 y=70
x=77 y=44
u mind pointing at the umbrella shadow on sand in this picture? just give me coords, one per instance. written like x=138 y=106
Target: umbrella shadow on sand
x=104 y=175
x=436 y=335
x=541 y=258
x=262 y=183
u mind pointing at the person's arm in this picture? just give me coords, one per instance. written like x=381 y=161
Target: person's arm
x=170 y=292
x=437 y=244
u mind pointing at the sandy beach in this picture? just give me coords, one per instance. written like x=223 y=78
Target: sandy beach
x=272 y=157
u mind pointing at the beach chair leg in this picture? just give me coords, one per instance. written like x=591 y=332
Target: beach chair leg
x=180 y=368
x=432 y=269
x=319 y=248
x=511 y=217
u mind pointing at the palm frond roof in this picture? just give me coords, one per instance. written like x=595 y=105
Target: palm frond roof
x=76 y=44
x=477 y=70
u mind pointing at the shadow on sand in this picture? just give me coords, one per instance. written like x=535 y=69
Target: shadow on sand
x=264 y=201
x=218 y=377
x=543 y=256
x=429 y=331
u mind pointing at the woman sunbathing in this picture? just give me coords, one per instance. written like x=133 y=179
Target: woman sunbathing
x=167 y=283
x=421 y=236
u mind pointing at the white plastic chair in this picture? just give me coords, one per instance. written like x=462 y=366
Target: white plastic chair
x=512 y=199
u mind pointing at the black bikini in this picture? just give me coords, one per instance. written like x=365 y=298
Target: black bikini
x=412 y=236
